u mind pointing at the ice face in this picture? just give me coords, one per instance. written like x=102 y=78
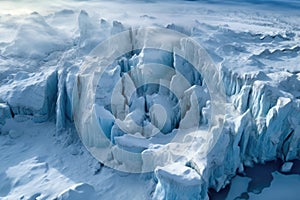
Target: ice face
x=5 y=113
x=34 y=95
x=178 y=182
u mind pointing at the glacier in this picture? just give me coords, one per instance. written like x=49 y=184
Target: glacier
x=40 y=63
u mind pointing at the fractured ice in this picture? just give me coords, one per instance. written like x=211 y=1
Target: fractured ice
x=262 y=120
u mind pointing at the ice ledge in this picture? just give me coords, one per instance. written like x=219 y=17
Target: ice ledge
x=179 y=182
x=33 y=95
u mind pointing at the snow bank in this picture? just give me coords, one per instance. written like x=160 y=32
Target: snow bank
x=78 y=192
x=36 y=39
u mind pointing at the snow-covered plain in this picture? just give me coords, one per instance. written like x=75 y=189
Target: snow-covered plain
x=255 y=46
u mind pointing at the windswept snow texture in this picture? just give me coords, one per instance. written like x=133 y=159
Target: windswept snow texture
x=256 y=47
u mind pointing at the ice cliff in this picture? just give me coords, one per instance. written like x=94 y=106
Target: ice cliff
x=262 y=120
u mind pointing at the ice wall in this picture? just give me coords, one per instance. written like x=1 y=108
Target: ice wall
x=262 y=111
x=31 y=94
